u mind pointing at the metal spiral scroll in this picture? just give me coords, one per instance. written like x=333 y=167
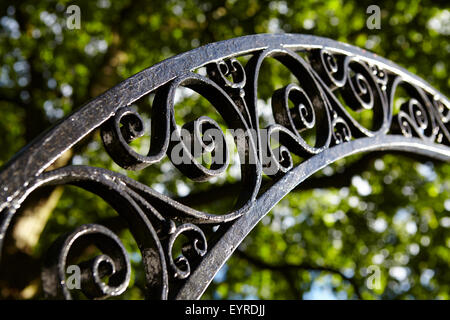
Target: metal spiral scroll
x=333 y=84
x=181 y=266
x=114 y=264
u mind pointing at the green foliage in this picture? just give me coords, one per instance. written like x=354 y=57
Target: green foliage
x=401 y=223
x=322 y=236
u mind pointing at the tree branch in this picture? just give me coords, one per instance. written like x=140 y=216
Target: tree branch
x=287 y=267
x=337 y=180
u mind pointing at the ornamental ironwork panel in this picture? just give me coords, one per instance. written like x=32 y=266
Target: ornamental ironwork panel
x=332 y=82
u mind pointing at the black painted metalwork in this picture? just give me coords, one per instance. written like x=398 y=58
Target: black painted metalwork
x=324 y=70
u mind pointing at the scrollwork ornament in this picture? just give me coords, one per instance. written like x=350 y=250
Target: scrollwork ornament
x=114 y=263
x=127 y=125
x=331 y=67
x=194 y=249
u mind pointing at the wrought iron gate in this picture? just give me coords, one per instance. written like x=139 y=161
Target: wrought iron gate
x=322 y=67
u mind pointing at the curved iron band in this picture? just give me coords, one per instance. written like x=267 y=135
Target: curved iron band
x=216 y=257
x=31 y=161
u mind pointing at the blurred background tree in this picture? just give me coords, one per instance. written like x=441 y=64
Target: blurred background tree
x=389 y=211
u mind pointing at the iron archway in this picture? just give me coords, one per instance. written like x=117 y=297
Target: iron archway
x=322 y=68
